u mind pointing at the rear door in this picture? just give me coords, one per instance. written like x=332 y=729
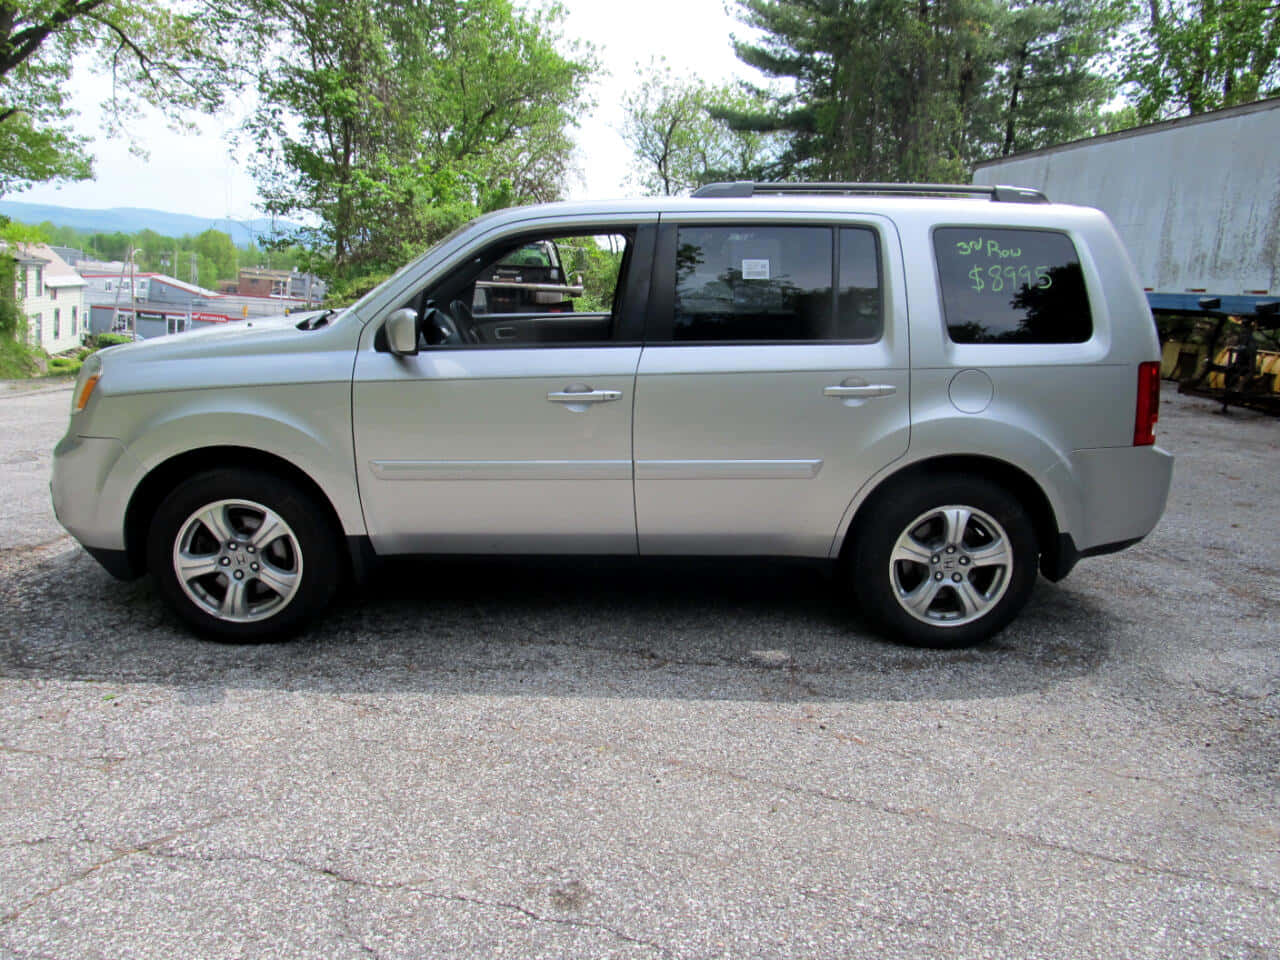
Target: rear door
x=773 y=384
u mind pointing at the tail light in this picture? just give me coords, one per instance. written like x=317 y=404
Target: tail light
x=1144 y=422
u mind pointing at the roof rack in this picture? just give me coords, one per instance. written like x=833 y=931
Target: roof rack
x=749 y=188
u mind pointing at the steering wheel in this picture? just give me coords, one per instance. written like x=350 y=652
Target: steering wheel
x=439 y=328
x=465 y=320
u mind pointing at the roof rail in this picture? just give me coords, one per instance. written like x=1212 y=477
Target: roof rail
x=749 y=188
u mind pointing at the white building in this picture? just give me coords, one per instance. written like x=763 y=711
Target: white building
x=52 y=297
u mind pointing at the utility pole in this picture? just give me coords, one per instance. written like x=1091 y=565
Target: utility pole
x=115 y=310
x=133 y=294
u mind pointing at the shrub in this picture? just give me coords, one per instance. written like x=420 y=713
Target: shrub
x=17 y=360
x=96 y=341
x=64 y=366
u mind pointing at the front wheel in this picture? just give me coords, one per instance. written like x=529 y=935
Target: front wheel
x=242 y=556
x=946 y=562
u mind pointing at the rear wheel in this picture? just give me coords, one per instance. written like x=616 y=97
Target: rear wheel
x=946 y=562
x=242 y=555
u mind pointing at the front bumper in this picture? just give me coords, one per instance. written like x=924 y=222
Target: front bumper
x=87 y=490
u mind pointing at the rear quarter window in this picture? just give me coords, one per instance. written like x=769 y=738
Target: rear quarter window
x=1002 y=285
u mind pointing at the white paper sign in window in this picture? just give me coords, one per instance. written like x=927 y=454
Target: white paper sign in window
x=755 y=269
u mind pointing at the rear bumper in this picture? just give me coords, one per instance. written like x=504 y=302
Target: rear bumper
x=1060 y=559
x=1123 y=492
x=115 y=562
x=1122 y=495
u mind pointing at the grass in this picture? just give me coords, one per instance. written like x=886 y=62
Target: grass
x=17 y=360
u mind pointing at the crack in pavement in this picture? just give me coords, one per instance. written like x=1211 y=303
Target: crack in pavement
x=924 y=816
x=338 y=876
x=116 y=856
x=98 y=761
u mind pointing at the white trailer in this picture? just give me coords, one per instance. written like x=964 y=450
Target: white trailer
x=1196 y=200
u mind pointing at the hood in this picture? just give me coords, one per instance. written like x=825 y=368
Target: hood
x=219 y=339
x=263 y=351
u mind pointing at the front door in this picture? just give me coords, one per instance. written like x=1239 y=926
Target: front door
x=774 y=384
x=510 y=431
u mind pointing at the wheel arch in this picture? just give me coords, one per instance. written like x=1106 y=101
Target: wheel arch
x=1013 y=478
x=153 y=488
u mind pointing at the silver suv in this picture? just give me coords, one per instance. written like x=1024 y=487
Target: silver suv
x=941 y=390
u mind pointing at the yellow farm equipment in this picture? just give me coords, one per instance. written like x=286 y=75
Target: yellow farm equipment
x=1239 y=374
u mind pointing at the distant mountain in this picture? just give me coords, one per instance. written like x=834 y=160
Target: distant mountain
x=133 y=219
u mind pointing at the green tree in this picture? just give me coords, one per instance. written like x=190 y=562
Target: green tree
x=1189 y=56
x=874 y=87
x=110 y=246
x=18 y=358
x=165 y=56
x=1049 y=84
x=677 y=142
x=218 y=257
x=920 y=89
x=391 y=123
x=597 y=261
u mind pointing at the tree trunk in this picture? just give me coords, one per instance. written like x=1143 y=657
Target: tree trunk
x=1009 y=127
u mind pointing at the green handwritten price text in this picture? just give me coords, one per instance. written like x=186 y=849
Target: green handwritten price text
x=995 y=279
x=991 y=249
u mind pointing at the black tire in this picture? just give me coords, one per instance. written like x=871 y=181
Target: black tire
x=877 y=584
x=305 y=555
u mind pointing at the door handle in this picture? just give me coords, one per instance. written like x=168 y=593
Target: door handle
x=584 y=396
x=861 y=392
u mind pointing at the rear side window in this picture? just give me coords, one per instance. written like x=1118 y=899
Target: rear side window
x=765 y=283
x=1011 y=286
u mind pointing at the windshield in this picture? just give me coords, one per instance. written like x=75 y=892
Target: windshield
x=445 y=241
x=539 y=254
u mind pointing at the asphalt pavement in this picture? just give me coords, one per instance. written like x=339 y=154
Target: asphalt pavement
x=594 y=759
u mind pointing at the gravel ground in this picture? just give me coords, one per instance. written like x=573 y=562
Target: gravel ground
x=629 y=759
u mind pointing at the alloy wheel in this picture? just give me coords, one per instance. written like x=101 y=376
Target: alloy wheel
x=951 y=565
x=238 y=560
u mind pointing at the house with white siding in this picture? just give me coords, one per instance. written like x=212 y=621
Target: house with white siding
x=51 y=294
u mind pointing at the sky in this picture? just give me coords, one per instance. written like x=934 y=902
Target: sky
x=197 y=173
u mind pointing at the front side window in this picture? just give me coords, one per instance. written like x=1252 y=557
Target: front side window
x=767 y=283
x=1004 y=285
x=553 y=289
x=57 y=324
x=39 y=281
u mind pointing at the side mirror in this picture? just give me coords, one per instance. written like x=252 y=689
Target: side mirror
x=402 y=333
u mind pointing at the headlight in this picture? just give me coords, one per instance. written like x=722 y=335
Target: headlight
x=90 y=374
